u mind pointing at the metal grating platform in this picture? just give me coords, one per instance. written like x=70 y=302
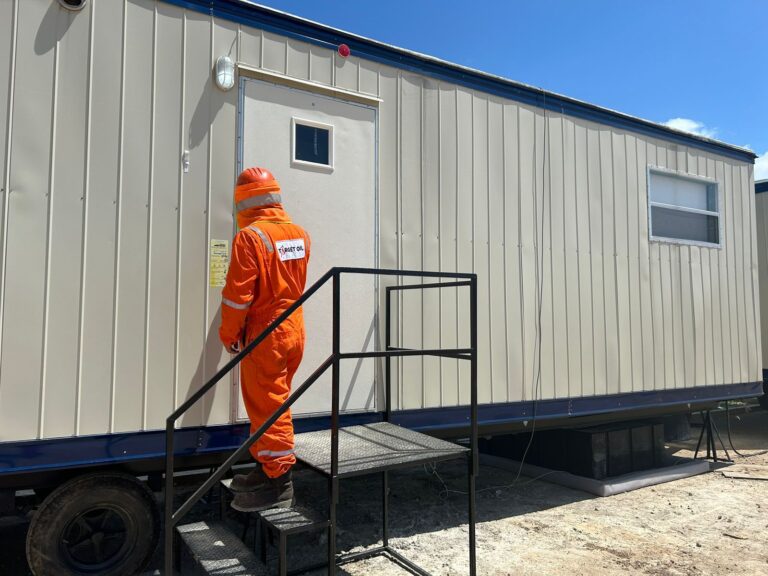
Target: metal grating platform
x=373 y=448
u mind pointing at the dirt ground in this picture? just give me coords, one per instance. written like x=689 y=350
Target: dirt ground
x=708 y=524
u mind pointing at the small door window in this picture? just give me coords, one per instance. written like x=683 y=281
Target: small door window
x=312 y=144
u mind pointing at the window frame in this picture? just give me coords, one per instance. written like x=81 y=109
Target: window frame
x=684 y=176
x=295 y=120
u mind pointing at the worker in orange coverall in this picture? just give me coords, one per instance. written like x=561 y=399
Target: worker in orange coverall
x=267 y=274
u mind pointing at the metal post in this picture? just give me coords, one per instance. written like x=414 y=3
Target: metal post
x=474 y=463
x=169 y=524
x=717 y=433
x=334 y=480
x=701 y=437
x=282 y=563
x=385 y=508
x=388 y=360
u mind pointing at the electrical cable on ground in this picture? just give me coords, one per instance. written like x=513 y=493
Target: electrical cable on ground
x=730 y=441
x=432 y=469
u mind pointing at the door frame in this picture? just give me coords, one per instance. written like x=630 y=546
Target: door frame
x=328 y=93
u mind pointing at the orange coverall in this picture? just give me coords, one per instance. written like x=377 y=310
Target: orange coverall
x=267 y=273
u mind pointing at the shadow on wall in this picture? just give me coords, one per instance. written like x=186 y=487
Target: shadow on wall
x=369 y=403
x=209 y=104
x=54 y=25
x=210 y=355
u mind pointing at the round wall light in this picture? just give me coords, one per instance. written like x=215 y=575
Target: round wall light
x=225 y=73
x=73 y=4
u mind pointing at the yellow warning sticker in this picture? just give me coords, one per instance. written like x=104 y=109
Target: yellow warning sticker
x=219 y=263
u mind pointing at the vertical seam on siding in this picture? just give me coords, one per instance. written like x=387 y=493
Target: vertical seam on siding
x=489 y=305
x=422 y=229
x=472 y=190
x=602 y=262
x=399 y=227
x=7 y=175
x=616 y=269
x=591 y=262
x=520 y=255
x=742 y=333
x=546 y=212
x=180 y=200
x=724 y=261
x=456 y=238
x=729 y=268
x=150 y=202
x=568 y=312
x=738 y=272
x=261 y=45
x=755 y=302
x=578 y=261
x=632 y=262
x=504 y=243
x=116 y=288
x=440 y=360
x=49 y=237
x=84 y=230
x=208 y=398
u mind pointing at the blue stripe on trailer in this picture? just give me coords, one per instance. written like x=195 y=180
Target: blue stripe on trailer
x=311 y=32
x=761 y=186
x=61 y=453
x=493 y=414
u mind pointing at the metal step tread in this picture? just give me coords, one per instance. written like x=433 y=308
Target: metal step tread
x=214 y=549
x=370 y=448
x=289 y=520
x=294 y=520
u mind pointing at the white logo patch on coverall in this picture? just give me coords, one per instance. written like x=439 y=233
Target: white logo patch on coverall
x=290 y=249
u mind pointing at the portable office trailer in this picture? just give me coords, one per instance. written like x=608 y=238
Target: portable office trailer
x=761 y=211
x=617 y=257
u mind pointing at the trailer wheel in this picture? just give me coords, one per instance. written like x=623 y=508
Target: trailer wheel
x=105 y=523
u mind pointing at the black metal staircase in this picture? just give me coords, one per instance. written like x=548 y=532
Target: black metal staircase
x=335 y=453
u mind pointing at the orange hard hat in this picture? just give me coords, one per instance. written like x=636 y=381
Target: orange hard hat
x=256 y=187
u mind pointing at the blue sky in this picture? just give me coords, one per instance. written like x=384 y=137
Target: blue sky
x=699 y=64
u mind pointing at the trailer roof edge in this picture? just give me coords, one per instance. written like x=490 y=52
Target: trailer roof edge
x=761 y=186
x=283 y=23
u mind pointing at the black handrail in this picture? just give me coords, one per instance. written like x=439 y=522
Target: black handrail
x=172 y=518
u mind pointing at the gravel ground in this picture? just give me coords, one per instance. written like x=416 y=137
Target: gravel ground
x=708 y=524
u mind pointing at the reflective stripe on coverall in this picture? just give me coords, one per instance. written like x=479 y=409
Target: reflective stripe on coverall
x=267 y=274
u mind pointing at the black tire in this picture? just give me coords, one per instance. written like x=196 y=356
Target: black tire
x=105 y=523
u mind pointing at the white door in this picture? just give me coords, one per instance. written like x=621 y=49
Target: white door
x=323 y=153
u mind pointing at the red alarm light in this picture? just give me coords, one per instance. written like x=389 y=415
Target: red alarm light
x=344 y=50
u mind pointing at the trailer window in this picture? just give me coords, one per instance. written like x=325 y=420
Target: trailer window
x=683 y=208
x=312 y=143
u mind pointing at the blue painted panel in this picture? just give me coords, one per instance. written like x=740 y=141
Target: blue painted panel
x=60 y=453
x=761 y=186
x=490 y=414
x=313 y=33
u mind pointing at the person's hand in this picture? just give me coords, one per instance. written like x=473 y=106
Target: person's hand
x=234 y=348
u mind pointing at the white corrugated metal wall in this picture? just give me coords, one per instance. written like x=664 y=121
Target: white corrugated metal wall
x=761 y=210
x=106 y=315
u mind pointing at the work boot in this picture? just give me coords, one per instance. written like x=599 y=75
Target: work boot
x=274 y=493
x=249 y=482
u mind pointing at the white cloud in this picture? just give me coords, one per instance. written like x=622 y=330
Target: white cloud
x=692 y=126
x=761 y=166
